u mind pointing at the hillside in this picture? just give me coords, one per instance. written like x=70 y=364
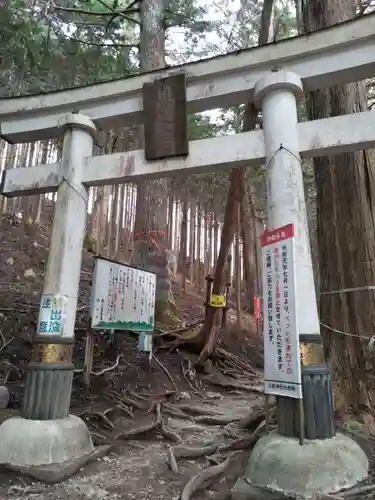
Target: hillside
x=24 y=252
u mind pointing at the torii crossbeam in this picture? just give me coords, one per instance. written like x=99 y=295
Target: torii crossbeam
x=274 y=77
x=341 y=134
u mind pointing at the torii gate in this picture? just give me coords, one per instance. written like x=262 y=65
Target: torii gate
x=275 y=77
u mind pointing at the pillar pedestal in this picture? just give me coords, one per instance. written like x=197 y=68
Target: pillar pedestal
x=48 y=379
x=46 y=435
x=319 y=422
x=317 y=405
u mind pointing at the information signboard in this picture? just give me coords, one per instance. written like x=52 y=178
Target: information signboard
x=123 y=297
x=282 y=368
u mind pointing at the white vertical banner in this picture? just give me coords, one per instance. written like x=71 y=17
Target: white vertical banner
x=282 y=367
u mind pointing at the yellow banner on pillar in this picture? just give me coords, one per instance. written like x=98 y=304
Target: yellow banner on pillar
x=217 y=301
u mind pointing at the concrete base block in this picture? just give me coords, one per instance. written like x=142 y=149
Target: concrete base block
x=280 y=464
x=33 y=443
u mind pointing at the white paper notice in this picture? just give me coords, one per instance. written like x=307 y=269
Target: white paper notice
x=282 y=367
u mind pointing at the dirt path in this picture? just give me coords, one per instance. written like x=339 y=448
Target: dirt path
x=138 y=469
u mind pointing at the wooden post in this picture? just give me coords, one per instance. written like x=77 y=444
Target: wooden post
x=225 y=308
x=238 y=268
x=89 y=357
x=209 y=282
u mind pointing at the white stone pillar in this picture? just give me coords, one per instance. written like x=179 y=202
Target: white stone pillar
x=49 y=377
x=46 y=434
x=69 y=225
x=277 y=95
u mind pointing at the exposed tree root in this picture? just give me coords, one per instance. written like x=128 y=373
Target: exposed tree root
x=244 y=443
x=165 y=370
x=142 y=429
x=29 y=490
x=189 y=373
x=354 y=492
x=125 y=409
x=229 y=384
x=174 y=412
x=217 y=419
x=209 y=345
x=103 y=417
x=135 y=395
x=158 y=425
x=200 y=410
x=176 y=452
x=105 y=370
x=188 y=452
x=99 y=438
x=230 y=433
x=161 y=395
x=194 y=451
x=168 y=433
x=120 y=403
x=240 y=444
x=252 y=420
x=177 y=331
x=360 y=490
x=327 y=497
x=172 y=462
x=197 y=481
x=134 y=403
x=234 y=360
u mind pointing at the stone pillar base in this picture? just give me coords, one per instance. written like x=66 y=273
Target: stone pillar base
x=34 y=443
x=279 y=465
x=48 y=379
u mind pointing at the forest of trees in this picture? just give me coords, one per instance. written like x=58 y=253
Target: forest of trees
x=48 y=45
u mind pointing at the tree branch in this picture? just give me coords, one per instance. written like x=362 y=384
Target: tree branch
x=102 y=44
x=91 y=13
x=104 y=4
x=122 y=13
x=132 y=5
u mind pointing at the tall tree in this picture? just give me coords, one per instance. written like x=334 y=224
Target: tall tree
x=345 y=187
x=236 y=193
x=151 y=216
x=152 y=196
x=46 y=47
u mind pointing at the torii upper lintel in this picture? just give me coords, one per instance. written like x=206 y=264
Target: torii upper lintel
x=332 y=56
